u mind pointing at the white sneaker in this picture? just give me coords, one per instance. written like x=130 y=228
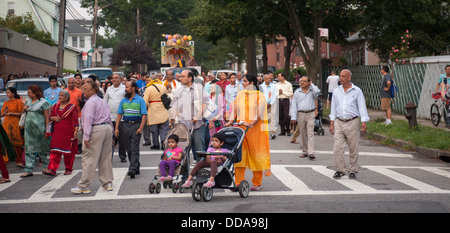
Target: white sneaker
x=388 y=122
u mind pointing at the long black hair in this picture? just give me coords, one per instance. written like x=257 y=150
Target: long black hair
x=252 y=78
x=14 y=91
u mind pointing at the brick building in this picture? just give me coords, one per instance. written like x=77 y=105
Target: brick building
x=19 y=53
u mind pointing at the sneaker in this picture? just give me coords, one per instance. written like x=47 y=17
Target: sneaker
x=388 y=122
x=256 y=188
x=162 y=179
x=352 y=175
x=108 y=187
x=210 y=184
x=81 y=190
x=169 y=178
x=187 y=184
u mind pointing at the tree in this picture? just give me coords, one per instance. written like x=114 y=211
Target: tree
x=135 y=52
x=307 y=16
x=385 y=21
x=25 y=25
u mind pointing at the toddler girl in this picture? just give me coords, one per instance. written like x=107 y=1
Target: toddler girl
x=212 y=161
x=171 y=158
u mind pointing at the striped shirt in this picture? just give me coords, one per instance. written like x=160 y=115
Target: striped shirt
x=132 y=110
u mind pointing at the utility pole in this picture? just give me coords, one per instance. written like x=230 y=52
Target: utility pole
x=94 y=32
x=62 y=23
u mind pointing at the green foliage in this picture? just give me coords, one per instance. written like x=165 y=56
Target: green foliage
x=385 y=21
x=25 y=25
x=423 y=136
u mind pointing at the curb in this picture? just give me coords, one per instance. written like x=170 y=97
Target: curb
x=426 y=152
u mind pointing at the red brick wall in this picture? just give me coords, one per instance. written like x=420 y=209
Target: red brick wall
x=13 y=65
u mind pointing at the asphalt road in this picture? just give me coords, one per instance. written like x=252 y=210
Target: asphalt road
x=389 y=181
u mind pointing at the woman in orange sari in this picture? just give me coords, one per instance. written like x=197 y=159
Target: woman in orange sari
x=12 y=110
x=250 y=109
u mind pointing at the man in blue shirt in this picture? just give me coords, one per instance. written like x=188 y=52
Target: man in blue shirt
x=51 y=94
x=134 y=112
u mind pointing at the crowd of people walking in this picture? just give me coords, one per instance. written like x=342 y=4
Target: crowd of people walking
x=51 y=124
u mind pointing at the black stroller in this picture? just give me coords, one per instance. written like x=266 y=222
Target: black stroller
x=318 y=121
x=234 y=136
x=182 y=169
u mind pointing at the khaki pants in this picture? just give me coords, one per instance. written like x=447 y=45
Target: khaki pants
x=346 y=133
x=98 y=153
x=306 y=131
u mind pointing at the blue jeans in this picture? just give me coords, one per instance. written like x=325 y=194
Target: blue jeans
x=198 y=141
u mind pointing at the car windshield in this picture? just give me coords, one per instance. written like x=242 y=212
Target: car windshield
x=23 y=86
x=101 y=74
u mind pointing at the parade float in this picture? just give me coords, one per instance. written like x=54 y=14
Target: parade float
x=177 y=51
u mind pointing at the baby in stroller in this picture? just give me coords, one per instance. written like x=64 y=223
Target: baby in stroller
x=212 y=161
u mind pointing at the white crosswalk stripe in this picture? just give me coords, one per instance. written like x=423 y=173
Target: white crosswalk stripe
x=282 y=173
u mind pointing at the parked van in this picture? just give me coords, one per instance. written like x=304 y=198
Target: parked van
x=101 y=72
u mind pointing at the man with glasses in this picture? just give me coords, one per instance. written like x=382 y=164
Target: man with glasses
x=114 y=94
x=187 y=105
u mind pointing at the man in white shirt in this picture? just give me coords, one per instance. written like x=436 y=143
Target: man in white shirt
x=347 y=105
x=284 y=91
x=114 y=94
x=268 y=89
x=333 y=82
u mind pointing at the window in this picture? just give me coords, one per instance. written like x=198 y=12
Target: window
x=74 y=41
x=81 y=41
x=11 y=8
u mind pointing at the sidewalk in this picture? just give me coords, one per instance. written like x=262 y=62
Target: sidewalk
x=374 y=114
x=427 y=152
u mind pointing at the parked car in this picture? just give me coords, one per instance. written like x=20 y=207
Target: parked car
x=228 y=72
x=22 y=84
x=101 y=72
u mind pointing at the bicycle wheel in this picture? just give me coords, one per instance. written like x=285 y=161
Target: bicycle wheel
x=435 y=115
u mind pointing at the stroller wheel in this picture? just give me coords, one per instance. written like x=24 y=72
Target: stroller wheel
x=174 y=188
x=151 y=188
x=196 y=191
x=158 y=188
x=165 y=184
x=181 y=189
x=207 y=193
x=322 y=131
x=244 y=189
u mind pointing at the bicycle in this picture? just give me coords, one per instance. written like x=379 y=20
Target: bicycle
x=435 y=112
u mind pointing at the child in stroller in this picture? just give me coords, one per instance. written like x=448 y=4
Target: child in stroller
x=171 y=158
x=212 y=161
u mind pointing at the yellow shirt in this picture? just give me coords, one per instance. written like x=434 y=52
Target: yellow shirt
x=156 y=112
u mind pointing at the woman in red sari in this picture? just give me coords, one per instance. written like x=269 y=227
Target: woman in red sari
x=65 y=128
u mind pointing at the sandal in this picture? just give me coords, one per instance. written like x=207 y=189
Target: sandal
x=49 y=172
x=304 y=155
x=24 y=175
x=67 y=172
x=312 y=157
x=2 y=181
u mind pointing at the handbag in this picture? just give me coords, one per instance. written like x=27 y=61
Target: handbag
x=22 y=119
x=211 y=110
x=165 y=99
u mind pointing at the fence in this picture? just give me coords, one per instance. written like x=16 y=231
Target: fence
x=415 y=82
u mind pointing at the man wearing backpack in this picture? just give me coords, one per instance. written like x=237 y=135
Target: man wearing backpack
x=158 y=116
x=385 y=93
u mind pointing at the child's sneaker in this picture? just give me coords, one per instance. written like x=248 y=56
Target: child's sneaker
x=162 y=179
x=169 y=178
x=187 y=184
x=210 y=184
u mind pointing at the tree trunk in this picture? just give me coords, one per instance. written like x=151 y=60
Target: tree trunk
x=250 y=47
x=287 y=56
x=264 y=57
